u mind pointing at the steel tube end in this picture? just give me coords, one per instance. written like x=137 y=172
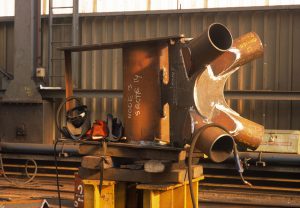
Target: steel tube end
x=203 y=49
x=216 y=144
x=220 y=37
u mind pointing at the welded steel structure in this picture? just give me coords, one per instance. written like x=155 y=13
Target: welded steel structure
x=173 y=88
x=276 y=73
x=103 y=69
x=174 y=85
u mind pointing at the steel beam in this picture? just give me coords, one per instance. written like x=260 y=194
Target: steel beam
x=60 y=93
x=75 y=40
x=231 y=95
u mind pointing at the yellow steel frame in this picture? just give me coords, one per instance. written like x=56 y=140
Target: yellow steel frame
x=172 y=195
x=113 y=195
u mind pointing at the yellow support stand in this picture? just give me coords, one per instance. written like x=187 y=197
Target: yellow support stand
x=169 y=195
x=113 y=195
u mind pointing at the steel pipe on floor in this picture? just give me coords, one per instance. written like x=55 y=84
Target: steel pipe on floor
x=44 y=149
x=270 y=157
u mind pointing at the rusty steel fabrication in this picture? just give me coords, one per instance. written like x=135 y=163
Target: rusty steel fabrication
x=174 y=85
x=173 y=88
x=173 y=101
x=173 y=95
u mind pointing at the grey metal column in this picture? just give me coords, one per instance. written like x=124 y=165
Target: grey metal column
x=38 y=33
x=75 y=41
x=22 y=88
x=50 y=22
x=24 y=116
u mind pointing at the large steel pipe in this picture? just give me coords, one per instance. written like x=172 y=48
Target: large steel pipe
x=203 y=49
x=245 y=132
x=251 y=133
x=285 y=158
x=244 y=49
x=209 y=91
x=216 y=143
x=40 y=149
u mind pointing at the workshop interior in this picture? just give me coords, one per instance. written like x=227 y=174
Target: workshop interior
x=172 y=105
